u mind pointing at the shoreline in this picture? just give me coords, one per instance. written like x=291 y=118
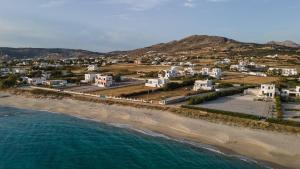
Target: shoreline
x=271 y=148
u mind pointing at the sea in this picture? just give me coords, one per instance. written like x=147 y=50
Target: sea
x=43 y=140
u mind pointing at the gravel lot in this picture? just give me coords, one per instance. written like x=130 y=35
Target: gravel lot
x=241 y=104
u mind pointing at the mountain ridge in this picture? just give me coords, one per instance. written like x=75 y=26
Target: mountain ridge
x=197 y=44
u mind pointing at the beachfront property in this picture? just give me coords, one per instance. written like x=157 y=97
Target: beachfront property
x=103 y=80
x=291 y=92
x=89 y=78
x=203 y=85
x=35 y=81
x=267 y=90
x=92 y=68
x=159 y=82
x=55 y=83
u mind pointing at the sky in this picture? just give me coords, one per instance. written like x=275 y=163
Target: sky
x=109 y=25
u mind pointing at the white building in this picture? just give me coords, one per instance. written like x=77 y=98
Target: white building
x=92 y=68
x=205 y=71
x=203 y=85
x=189 y=71
x=35 y=81
x=89 y=78
x=55 y=83
x=160 y=82
x=267 y=90
x=285 y=71
x=167 y=74
x=103 y=81
x=289 y=72
x=216 y=73
x=291 y=92
x=19 y=70
x=223 y=62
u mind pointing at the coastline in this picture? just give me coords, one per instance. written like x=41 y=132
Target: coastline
x=270 y=147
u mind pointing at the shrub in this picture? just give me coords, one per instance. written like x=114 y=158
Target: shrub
x=278 y=107
x=9 y=82
x=229 y=113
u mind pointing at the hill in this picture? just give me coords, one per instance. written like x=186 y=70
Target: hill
x=286 y=43
x=45 y=53
x=204 y=45
x=193 y=46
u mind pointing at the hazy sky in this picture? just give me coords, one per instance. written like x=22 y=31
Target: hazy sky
x=106 y=25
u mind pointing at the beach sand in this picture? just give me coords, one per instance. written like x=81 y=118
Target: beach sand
x=266 y=146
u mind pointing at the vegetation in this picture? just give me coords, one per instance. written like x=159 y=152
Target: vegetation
x=175 y=85
x=225 y=85
x=278 y=107
x=48 y=93
x=134 y=94
x=214 y=95
x=9 y=82
x=117 y=78
x=229 y=113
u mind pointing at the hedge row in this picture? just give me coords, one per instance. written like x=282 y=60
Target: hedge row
x=134 y=94
x=223 y=112
x=284 y=122
x=278 y=107
x=246 y=116
x=174 y=85
x=49 y=93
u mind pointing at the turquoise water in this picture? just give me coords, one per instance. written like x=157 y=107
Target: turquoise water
x=40 y=140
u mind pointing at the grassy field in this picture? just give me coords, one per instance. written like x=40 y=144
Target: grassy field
x=232 y=77
x=122 y=90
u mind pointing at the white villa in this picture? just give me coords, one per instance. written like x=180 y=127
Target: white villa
x=240 y=68
x=286 y=71
x=55 y=83
x=103 y=81
x=89 y=78
x=267 y=90
x=289 y=72
x=291 y=92
x=92 y=68
x=173 y=72
x=188 y=71
x=215 y=72
x=160 y=82
x=203 y=85
x=205 y=71
x=35 y=81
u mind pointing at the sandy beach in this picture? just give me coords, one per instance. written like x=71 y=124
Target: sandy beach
x=270 y=147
